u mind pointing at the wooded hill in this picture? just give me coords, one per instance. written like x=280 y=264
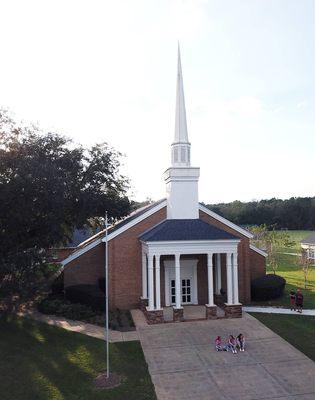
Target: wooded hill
x=294 y=213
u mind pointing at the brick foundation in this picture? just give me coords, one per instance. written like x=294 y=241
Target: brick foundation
x=143 y=304
x=154 y=316
x=178 y=314
x=211 y=312
x=233 y=311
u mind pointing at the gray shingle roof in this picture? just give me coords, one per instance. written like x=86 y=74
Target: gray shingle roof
x=309 y=239
x=185 y=229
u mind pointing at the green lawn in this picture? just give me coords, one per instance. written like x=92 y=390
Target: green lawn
x=289 y=269
x=295 y=329
x=41 y=362
x=295 y=236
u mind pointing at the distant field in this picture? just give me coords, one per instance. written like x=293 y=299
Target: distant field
x=295 y=236
x=289 y=269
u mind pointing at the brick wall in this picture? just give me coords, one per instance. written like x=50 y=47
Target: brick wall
x=87 y=268
x=244 y=274
x=125 y=265
x=257 y=264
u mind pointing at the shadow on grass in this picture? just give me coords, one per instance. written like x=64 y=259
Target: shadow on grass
x=44 y=362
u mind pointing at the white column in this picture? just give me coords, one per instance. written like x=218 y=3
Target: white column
x=157 y=282
x=229 y=278
x=210 y=279
x=150 y=273
x=235 y=279
x=177 y=281
x=144 y=276
x=218 y=280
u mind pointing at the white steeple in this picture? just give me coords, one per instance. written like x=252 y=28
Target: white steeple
x=181 y=179
x=181 y=145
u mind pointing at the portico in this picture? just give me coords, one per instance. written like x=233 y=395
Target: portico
x=181 y=278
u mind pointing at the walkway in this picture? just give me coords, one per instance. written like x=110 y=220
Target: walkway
x=184 y=365
x=277 y=310
x=81 y=327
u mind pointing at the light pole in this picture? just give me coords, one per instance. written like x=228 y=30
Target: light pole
x=106 y=297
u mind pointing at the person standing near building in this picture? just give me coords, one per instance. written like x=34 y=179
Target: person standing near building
x=299 y=300
x=292 y=300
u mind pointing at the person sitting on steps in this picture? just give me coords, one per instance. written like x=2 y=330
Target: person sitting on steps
x=232 y=344
x=218 y=344
x=241 y=342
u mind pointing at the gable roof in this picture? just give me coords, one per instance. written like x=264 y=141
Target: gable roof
x=133 y=219
x=185 y=229
x=259 y=251
x=310 y=239
x=114 y=230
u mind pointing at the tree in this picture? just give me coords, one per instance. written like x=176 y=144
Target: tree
x=304 y=262
x=271 y=240
x=48 y=187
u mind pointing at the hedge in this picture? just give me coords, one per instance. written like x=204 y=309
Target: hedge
x=90 y=295
x=268 y=287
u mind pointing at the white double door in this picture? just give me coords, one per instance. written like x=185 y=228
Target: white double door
x=188 y=282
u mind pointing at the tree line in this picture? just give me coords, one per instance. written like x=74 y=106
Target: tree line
x=293 y=213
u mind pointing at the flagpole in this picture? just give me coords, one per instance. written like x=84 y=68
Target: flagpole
x=106 y=298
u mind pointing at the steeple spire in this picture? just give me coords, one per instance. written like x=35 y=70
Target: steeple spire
x=181 y=179
x=181 y=146
x=181 y=134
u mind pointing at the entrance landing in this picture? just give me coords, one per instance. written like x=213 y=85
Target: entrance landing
x=184 y=365
x=191 y=312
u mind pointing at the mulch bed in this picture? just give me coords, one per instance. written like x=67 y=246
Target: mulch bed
x=102 y=382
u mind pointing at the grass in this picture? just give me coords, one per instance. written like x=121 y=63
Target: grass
x=289 y=269
x=296 y=237
x=41 y=362
x=295 y=329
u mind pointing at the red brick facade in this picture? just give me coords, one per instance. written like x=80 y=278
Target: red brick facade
x=126 y=270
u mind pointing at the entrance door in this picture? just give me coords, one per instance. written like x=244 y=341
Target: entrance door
x=185 y=291
x=188 y=282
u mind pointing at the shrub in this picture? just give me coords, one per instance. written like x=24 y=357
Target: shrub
x=268 y=287
x=89 y=295
x=57 y=287
x=62 y=307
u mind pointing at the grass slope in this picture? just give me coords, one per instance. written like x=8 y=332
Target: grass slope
x=289 y=269
x=41 y=362
x=295 y=329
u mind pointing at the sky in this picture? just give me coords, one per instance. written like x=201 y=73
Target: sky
x=101 y=70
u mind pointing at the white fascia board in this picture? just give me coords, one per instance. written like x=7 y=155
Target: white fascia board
x=136 y=221
x=111 y=236
x=191 y=247
x=226 y=221
x=259 y=251
x=79 y=252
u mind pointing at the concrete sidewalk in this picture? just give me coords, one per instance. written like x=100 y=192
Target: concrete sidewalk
x=184 y=365
x=81 y=327
x=277 y=310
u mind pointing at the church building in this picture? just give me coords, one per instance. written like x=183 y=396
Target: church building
x=173 y=253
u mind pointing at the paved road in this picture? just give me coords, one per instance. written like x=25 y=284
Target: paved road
x=184 y=365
